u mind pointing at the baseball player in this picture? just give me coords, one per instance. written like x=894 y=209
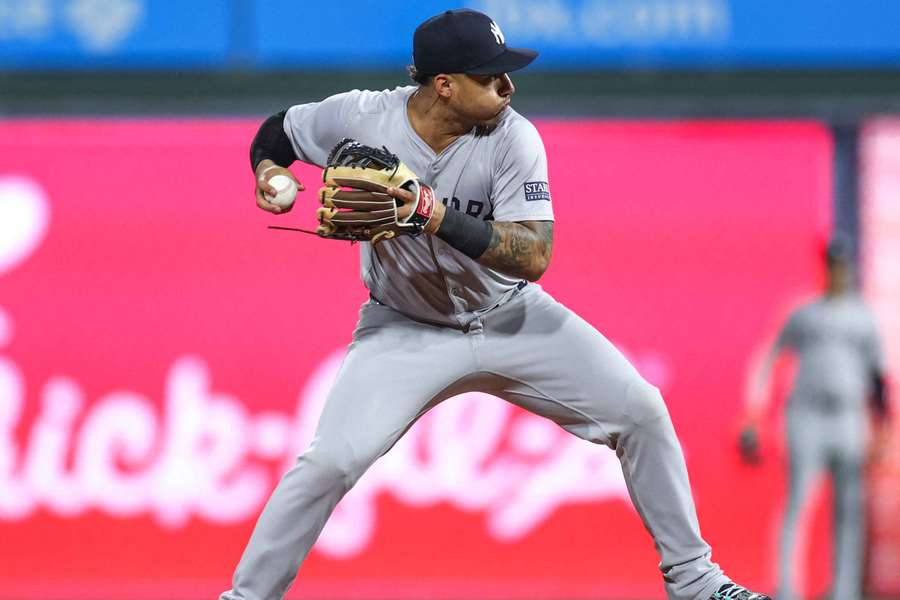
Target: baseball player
x=840 y=365
x=453 y=305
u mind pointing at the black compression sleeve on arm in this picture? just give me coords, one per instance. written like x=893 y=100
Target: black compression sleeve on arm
x=467 y=234
x=271 y=142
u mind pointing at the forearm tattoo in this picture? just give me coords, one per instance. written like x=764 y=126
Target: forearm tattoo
x=520 y=249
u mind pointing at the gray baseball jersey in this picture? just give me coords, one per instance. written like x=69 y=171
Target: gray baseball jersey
x=499 y=336
x=837 y=343
x=500 y=174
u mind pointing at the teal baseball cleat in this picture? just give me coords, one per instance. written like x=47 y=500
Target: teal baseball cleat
x=732 y=591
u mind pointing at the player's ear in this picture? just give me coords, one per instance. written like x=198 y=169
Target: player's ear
x=443 y=85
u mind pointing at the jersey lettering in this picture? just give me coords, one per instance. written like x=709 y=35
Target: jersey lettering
x=474 y=208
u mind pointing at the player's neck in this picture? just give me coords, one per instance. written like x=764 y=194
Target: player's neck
x=431 y=120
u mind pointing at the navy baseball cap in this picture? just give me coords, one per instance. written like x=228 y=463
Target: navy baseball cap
x=465 y=41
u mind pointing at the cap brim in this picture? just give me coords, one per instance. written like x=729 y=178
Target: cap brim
x=512 y=59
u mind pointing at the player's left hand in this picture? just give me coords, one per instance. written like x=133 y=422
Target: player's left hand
x=370 y=195
x=749 y=445
x=407 y=201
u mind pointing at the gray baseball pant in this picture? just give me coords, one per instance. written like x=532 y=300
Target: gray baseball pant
x=531 y=351
x=833 y=443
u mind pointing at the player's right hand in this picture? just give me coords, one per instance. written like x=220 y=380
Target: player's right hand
x=265 y=170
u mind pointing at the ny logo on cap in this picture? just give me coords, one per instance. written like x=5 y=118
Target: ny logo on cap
x=498 y=35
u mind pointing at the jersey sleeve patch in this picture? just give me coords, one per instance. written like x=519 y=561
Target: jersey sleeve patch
x=537 y=190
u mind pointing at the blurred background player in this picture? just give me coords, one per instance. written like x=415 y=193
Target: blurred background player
x=841 y=366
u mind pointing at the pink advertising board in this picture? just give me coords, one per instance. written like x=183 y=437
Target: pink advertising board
x=163 y=358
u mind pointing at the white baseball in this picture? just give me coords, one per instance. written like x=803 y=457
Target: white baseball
x=287 y=191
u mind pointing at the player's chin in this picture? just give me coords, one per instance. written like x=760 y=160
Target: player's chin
x=495 y=117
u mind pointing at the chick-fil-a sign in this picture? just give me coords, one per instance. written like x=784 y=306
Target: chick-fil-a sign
x=164 y=357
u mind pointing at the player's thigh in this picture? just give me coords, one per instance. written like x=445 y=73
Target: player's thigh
x=849 y=436
x=391 y=374
x=807 y=454
x=554 y=354
x=561 y=412
x=847 y=456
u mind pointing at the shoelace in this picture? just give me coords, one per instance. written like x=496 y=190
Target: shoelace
x=732 y=591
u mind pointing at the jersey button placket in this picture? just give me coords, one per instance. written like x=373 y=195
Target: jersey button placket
x=459 y=304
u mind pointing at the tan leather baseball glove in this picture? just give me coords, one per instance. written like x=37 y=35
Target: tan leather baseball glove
x=355 y=202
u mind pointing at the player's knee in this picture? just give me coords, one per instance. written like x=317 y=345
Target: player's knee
x=330 y=467
x=645 y=404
